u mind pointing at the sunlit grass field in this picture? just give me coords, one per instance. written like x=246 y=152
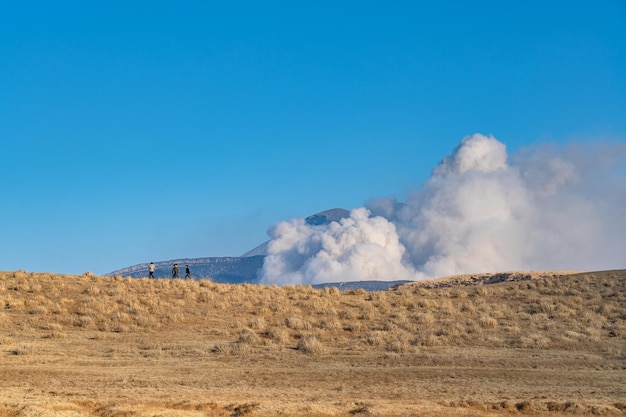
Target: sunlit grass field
x=99 y=346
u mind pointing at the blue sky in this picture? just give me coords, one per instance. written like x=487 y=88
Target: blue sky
x=144 y=131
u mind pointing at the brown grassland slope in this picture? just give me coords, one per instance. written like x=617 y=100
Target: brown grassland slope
x=97 y=346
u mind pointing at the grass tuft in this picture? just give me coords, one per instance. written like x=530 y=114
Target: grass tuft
x=311 y=346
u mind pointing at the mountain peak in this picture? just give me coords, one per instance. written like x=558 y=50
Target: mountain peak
x=328 y=216
x=317 y=219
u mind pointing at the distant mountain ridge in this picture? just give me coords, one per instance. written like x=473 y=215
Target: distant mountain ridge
x=231 y=270
x=245 y=268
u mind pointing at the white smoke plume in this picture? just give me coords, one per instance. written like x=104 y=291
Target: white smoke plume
x=481 y=211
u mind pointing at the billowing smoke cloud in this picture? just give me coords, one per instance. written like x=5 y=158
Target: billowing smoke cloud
x=481 y=211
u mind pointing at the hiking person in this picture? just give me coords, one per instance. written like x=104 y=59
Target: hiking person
x=151 y=270
x=187 y=272
x=175 y=271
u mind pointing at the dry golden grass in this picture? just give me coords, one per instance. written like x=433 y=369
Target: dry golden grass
x=95 y=346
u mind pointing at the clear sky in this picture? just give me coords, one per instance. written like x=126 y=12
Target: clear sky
x=145 y=131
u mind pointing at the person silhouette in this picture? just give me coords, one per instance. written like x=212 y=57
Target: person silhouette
x=175 y=271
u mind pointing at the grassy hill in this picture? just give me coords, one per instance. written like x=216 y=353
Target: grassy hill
x=103 y=346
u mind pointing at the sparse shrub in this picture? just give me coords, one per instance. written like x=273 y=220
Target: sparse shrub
x=92 y=290
x=240 y=349
x=22 y=286
x=275 y=334
x=174 y=317
x=315 y=305
x=425 y=319
x=85 y=322
x=249 y=337
x=424 y=292
x=427 y=304
x=406 y=299
x=547 y=306
x=296 y=323
x=235 y=349
x=261 y=311
x=23 y=349
x=345 y=315
x=592 y=333
x=38 y=309
x=487 y=322
x=51 y=326
x=468 y=308
x=361 y=409
x=458 y=293
x=13 y=303
x=427 y=339
x=389 y=326
x=84 y=308
x=451 y=330
x=536 y=340
x=539 y=318
x=366 y=315
x=133 y=308
x=20 y=274
x=310 y=345
x=574 y=335
x=237 y=324
x=204 y=296
x=56 y=335
x=512 y=329
x=606 y=309
x=118 y=328
x=359 y=292
x=472 y=328
x=331 y=324
x=568 y=407
x=331 y=291
x=483 y=291
x=146 y=321
x=257 y=323
x=276 y=306
x=375 y=338
x=398 y=346
x=353 y=326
